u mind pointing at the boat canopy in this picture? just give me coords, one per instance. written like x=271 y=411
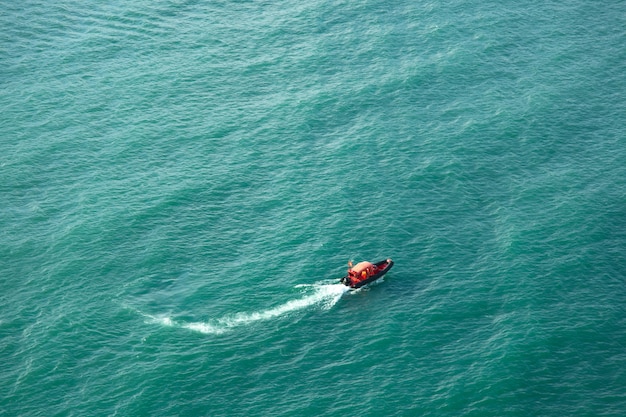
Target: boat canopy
x=363 y=266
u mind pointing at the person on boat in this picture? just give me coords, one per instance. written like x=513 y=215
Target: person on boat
x=360 y=272
x=351 y=277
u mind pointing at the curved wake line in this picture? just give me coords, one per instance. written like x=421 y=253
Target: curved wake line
x=325 y=295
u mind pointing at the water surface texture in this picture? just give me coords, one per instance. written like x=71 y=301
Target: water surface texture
x=182 y=184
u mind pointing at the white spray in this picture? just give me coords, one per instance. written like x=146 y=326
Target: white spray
x=324 y=295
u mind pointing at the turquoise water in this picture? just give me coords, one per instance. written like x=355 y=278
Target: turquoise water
x=182 y=183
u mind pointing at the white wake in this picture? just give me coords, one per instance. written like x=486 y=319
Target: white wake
x=324 y=295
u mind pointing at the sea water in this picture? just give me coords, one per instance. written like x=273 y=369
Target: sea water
x=182 y=184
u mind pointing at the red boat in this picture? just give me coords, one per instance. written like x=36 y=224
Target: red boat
x=365 y=272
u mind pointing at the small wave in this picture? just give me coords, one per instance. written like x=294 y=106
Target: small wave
x=324 y=295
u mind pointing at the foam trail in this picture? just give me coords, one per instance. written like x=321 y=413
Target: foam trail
x=199 y=327
x=325 y=295
x=162 y=320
